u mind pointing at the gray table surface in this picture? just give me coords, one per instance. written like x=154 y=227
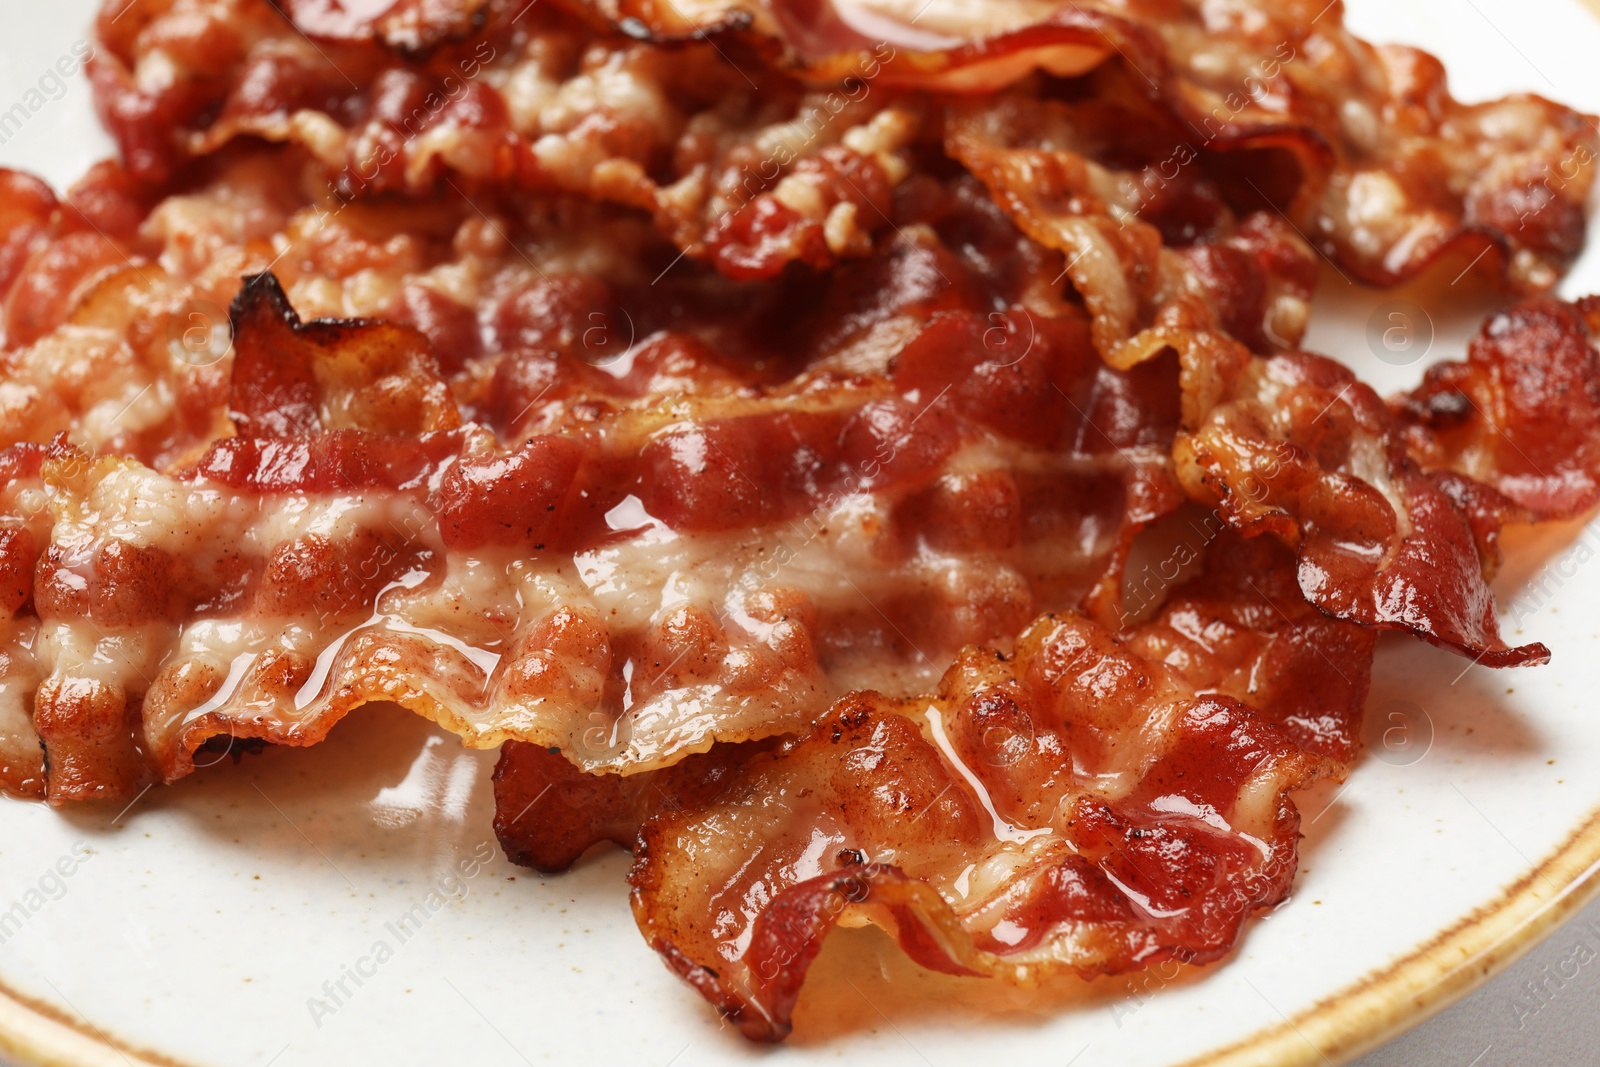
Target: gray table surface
x=1542 y=1012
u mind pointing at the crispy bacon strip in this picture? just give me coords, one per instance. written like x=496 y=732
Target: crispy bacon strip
x=1076 y=806
x=113 y=369
x=1522 y=413
x=355 y=542
x=24 y=525
x=294 y=378
x=1146 y=297
x=1291 y=445
x=116 y=331
x=1362 y=145
x=1303 y=451
x=1385 y=170
x=1242 y=628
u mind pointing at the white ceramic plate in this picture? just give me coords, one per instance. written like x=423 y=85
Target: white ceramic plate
x=205 y=923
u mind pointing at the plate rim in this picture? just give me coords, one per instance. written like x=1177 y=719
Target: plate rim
x=1341 y=1026
x=1387 y=1001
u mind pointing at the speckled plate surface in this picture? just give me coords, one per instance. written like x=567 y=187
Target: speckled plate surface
x=346 y=904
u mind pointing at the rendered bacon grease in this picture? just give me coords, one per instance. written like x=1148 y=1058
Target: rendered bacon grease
x=743 y=417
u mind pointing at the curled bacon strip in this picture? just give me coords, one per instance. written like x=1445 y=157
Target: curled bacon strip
x=1303 y=451
x=1075 y=806
x=293 y=378
x=1522 y=413
x=22 y=528
x=1242 y=628
x=1290 y=445
x=616 y=588
x=1146 y=297
x=1385 y=170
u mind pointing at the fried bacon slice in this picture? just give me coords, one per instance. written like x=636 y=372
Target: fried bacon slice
x=536 y=99
x=116 y=324
x=1362 y=146
x=758 y=135
x=24 y=525
x=1243 y=629
x=1146 y=296
x=1303 y=451
x=1291 y=445
x=1075 y=806
x=83 y=337
x=1522 y=412
x=670 y=565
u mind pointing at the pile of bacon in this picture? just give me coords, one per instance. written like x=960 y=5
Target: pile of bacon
x=744 y=415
